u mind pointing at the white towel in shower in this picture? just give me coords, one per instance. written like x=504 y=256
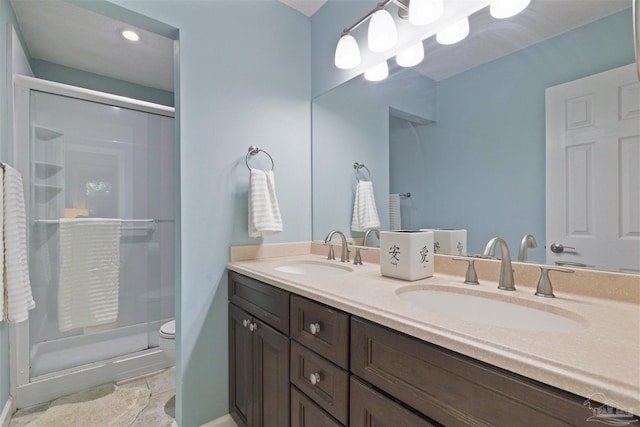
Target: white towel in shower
x=395 y=223
x=89 y=284
x=264 y=211
x=365 y=213
x=17 y=299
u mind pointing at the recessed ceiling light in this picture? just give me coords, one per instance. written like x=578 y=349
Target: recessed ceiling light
x=130 y=35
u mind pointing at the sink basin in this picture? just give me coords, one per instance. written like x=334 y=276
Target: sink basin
x=492 y=309
x=313 y=268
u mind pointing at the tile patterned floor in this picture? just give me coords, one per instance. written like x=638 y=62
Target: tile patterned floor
x=159 y=413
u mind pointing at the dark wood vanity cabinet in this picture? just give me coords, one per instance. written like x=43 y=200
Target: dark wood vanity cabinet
x=295 y=362
x=258 y=355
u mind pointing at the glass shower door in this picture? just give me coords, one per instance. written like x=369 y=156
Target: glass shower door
x=91 y=160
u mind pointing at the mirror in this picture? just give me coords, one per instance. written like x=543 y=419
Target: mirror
x=469 y=146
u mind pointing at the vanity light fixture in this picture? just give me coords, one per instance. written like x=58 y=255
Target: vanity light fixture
x=501 y=9
x=423 y=12
x=377 y=72
x=130 y=35
x=382 y=34
x=347 y=52
x=454 y=33
x=411 y=56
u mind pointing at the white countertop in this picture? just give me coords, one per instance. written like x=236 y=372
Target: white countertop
x=604 y=357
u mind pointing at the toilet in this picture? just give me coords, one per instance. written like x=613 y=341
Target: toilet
x=167 y=339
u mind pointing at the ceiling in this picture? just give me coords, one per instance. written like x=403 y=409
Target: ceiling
x=306 y=7
x=59 y=32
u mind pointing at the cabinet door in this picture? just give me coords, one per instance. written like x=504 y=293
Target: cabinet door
x=270 y=377
x=240 y=367
x=372 y=409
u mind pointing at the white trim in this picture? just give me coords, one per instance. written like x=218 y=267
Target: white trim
x=223 y=421
x=92 y=95
x=7 y=411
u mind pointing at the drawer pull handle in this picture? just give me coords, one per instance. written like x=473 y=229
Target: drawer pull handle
x=253 y=327
x=314 y=378
x=246 y=323
x=314 y=328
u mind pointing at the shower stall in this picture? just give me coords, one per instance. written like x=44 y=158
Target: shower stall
x=86 y=155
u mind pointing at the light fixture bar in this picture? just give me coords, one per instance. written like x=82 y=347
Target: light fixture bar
x=362 y=20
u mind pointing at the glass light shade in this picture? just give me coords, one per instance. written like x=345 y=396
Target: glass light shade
x=411 y=56
x=347 y=53
x=382 y=31
x=501 y=9
x=422 y=12
x=377 y=72
x=454 y=33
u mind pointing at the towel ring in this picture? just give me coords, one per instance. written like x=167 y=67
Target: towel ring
x=357 y=166
x=253 y=150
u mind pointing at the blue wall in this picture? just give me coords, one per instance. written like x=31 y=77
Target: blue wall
x=244 y=80
x=71 y=76
x=490 y=133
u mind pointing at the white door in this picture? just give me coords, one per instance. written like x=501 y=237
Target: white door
x=593 y=171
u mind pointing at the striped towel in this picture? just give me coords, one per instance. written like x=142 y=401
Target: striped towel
x=16 y=295
x=264 y=212
x=365 y=213
x=395 y=222
x=89 y=272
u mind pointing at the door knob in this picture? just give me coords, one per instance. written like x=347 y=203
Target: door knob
x=558 y=248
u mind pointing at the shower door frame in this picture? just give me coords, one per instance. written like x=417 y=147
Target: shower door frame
x=25 y=389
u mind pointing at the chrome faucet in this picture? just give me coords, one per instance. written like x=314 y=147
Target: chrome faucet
x=506 y=270
x=528 y=241
x=366 y=235
x=344 y=256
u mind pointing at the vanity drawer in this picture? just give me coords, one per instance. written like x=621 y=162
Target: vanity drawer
x=331 y=392
x=266 y=302
x=305 y=413
x=370 y=408
x=455 y=390
x=332 y=339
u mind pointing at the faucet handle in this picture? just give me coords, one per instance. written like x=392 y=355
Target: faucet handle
x=544 y=288
x=357 y=259
x=331 y=255
x=471 y=278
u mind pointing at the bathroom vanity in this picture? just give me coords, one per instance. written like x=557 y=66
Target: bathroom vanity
x=314 y=348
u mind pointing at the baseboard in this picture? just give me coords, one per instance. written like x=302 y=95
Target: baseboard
x=7 y=411
x=223 y=421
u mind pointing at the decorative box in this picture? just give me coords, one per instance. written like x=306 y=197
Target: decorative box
x=406 y=255
x=449 y=241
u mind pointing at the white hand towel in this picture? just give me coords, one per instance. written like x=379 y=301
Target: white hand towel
x=264 y=212
x=88 y=289
x=395 y=222
x=16 y=286
x=365 y=213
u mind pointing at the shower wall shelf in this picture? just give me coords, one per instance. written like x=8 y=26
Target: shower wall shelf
x=47 y=172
